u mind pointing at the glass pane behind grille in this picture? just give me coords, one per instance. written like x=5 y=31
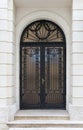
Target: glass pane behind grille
x=30 y=75
x=54 y=75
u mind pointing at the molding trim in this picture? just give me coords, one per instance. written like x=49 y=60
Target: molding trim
x=39 y=15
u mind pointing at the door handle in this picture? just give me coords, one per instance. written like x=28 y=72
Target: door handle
x=43 y=81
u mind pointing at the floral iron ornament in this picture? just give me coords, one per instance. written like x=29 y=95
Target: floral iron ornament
x=43 y=31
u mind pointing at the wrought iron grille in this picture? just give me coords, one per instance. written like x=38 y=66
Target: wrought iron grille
x=43 y=31
x=43 y=66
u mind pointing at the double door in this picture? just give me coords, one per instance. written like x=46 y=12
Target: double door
x=42 y=76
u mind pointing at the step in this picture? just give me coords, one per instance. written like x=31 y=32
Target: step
x=46 y=128
x=45 y=124
x=41 y=115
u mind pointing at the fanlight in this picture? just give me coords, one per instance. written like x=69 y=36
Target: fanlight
x=42 y=31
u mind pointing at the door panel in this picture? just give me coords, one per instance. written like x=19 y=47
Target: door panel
x=30 y=75
x=54 y=76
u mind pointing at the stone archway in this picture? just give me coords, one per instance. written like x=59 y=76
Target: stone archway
x=33 y=17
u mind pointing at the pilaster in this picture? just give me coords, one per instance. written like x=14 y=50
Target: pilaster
x=76 y=108
x=7 y=60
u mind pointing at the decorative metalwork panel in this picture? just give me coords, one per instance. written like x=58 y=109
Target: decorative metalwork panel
x=30 y=75
x=43 y=31
x=43 y=77
x=43 y=66
x=54 y=87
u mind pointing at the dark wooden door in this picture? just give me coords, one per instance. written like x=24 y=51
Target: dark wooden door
x=42 y=76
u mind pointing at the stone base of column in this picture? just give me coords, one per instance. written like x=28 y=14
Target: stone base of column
x=7 y=113
x=75 y=112
x=3 y=127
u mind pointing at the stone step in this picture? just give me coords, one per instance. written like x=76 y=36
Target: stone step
x=45 y=124
x=46 y=128
x=42 y=115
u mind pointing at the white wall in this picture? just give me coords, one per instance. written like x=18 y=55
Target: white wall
x=77 y=60
x=65 y=13
x=7 y=62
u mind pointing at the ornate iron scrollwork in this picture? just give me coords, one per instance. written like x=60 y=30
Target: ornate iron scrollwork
x=43 y=66
x=42 y=31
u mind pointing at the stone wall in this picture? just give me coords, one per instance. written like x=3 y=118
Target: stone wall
x=77 y=60
x=7 y=62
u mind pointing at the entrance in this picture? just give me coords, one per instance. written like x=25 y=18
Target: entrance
x=43 y=67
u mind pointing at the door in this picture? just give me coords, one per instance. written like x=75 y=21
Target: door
x=43 y=76
x=43 y=66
